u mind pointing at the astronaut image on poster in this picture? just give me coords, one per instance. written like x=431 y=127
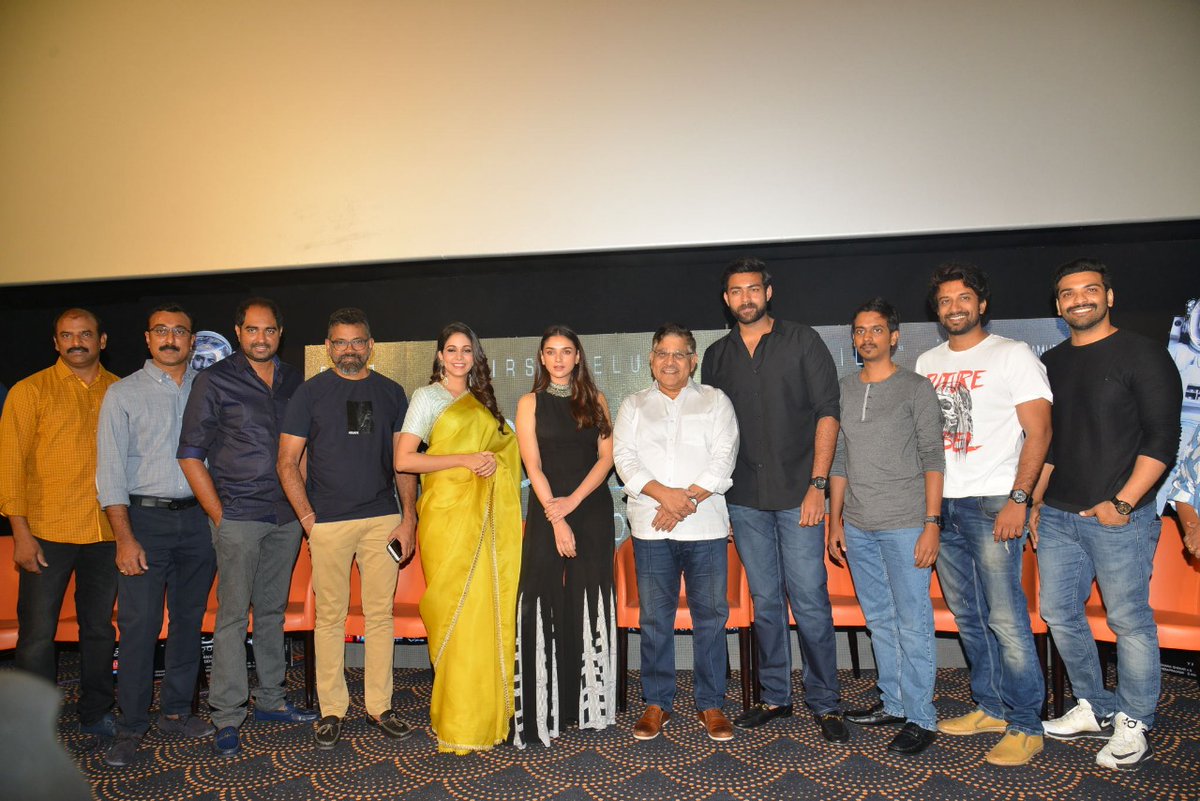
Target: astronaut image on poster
x=1184 y=347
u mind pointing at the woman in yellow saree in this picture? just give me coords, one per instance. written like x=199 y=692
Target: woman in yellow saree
x=469 y=530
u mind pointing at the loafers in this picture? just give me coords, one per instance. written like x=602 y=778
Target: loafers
x=289 y=714
x=977 y=722
x=105 y=726
x=123 y=750
x=833 y=728
x=716 y=724
x=873 y=716
x=759 y=714
x=327 y=732
x=651 y=723
x=226 y=742
x=187 y=725
x=391 y=725
x=1015 y=748
x=912 y=739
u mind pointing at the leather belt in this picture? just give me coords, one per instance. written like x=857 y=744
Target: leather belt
x=174 y=504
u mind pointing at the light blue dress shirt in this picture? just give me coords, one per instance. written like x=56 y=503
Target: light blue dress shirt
x=138 y=436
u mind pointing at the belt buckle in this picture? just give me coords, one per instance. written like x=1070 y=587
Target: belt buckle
x=175 y=505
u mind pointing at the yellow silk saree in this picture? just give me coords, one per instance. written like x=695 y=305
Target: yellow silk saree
x=470 y=536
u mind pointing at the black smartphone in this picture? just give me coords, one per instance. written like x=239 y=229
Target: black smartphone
x=393 y=547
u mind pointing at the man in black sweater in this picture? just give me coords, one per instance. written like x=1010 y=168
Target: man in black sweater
x=1116 y=429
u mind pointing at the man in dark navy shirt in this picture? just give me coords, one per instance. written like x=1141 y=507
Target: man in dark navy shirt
x=784 y=387
x=1116 y=430
x=346 y=423
x=232 y=419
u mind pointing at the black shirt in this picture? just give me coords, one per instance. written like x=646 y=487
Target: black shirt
x=350 y=427
x=232 y=419
x=1114 y=400
x=778 y=394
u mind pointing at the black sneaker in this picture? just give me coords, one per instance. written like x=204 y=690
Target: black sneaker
x=327 y=732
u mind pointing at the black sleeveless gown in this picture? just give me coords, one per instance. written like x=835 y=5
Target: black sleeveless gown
x=566 y=628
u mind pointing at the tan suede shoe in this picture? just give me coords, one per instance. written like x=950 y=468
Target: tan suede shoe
x=1016 y=748
x=977 y=722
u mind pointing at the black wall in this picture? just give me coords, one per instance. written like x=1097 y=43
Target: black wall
x=1155 y=268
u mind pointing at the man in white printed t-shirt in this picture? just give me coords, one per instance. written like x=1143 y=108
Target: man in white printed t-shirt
x=996 y=428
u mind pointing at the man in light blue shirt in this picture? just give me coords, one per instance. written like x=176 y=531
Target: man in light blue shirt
x=163 y=540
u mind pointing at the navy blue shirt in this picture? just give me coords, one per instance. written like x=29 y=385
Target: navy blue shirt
x=233 y=420
x=350 y=427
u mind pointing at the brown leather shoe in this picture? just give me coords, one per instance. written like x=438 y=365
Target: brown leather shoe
x=651 y=723
x=718 y=726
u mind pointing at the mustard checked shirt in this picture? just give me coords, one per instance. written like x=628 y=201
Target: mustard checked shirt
x=48 y=455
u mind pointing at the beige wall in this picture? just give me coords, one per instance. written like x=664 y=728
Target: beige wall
x=166 y=137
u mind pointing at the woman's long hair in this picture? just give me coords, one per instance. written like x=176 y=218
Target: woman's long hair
x=585 y=397
x=479 y=380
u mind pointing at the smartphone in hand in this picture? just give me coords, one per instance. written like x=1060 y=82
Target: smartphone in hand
x=393 y=547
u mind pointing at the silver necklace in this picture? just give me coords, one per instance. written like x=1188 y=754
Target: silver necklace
x=559 y=390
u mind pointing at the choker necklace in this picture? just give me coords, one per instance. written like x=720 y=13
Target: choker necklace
x=559 y=390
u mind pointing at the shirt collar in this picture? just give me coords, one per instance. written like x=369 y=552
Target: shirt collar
x=161 y=377
x=690 y=386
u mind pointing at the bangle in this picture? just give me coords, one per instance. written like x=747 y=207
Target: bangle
x=310 y=514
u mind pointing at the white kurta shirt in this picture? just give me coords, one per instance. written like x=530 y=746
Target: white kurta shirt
x=689 y=439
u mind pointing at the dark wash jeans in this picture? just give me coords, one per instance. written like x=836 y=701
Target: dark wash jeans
x=39 y=602
x=179 y=552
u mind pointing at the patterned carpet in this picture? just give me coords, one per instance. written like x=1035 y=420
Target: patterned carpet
x=785 y=760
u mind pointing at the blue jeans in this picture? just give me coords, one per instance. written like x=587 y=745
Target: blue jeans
x=1072 y=550
x=179 y=554
x=39 y=602
x=894 y=596
x=786 y=563
x=255 y=562
x=981 y=579
x=705 y=567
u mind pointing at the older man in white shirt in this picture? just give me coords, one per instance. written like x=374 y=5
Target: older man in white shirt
x=674 y=445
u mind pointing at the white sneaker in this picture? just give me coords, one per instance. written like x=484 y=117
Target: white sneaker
x=1081 y=721
x=1128 y=748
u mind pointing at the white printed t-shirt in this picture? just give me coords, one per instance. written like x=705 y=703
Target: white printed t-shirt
x=979 y=390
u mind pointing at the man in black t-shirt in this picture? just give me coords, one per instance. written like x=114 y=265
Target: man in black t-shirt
x=1115 y=430
x=348 y=420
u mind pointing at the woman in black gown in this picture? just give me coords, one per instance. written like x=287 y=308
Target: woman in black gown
x=566 y=626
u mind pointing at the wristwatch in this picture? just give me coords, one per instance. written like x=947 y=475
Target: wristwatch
x=1019 y=496
x=1123 y=508
x=935 y=519
x=820 y=482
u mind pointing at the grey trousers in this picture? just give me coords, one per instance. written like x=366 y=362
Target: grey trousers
x=254 y=570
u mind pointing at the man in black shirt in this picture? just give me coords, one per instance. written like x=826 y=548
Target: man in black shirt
x=1116 y=429
x=347 y=422
x=784 y=388
x=232 y=421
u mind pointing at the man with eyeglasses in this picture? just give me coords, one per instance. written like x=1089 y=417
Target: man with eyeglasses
x=48 y=494
x=164 y=545
x=674 y=445
x=228 y=449
x=784 y=386
x=347 y=421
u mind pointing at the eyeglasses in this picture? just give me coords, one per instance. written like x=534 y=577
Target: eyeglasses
x=674 y=355
x=342 y=344
x=161 y=331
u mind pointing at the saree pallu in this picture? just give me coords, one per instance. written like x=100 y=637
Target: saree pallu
x=470 y=535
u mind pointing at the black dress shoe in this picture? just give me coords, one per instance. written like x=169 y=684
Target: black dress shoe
x=875 y=716
x=912 y=739
x=833 y=728
x=759 y=714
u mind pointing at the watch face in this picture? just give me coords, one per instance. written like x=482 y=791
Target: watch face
x=1019 y=496
x=820 y=482
x=1123 y=508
